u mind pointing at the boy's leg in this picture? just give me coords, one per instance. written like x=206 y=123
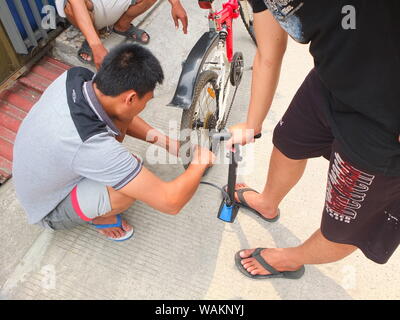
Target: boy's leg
x=70 y=14
x=90 y=201
x=72 y=19
x=135 y=10
x=119 y=204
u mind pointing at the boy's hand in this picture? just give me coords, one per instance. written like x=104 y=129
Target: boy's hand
x=203 y=156
x=179 y=13
x=99 y=52
x=173 y=147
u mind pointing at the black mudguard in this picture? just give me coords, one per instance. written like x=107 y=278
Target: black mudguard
x=183 y=96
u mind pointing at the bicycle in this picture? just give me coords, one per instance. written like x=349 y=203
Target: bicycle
x=209 y=74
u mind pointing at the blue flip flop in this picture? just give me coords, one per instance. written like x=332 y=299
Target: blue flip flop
x=118 y=224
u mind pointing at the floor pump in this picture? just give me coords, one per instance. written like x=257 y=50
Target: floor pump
x=229 y=208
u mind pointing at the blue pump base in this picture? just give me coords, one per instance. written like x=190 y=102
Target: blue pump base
x=227 y=213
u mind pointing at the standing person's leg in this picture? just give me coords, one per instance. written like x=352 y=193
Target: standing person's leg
x=283 y=175
x=316 y=250
x=360 y=211
x=302 y=133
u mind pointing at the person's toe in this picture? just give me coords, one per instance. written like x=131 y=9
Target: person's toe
x=119 y=233
x=251 y=268
x=255 y=272
x=240 y=185
x=85 y=56
x=107 y=233
x=246 y=253
x=126 y=226
x=247 y=264
x=145 y=37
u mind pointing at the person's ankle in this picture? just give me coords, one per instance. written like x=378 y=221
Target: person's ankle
x=266 y=207
x=102 y=219
x=121 y=27
x=282 y=260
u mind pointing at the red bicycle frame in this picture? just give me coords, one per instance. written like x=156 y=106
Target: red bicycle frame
x=223 y=20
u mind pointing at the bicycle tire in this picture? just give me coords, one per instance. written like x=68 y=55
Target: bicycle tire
x=244 y=8
x=206 y=77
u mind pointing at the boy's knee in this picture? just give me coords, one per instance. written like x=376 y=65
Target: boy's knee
x=70 y=13
x=118 y=200
x=148 y=3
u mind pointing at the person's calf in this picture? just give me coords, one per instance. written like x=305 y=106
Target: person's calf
x=119 y=204
x=133 y=12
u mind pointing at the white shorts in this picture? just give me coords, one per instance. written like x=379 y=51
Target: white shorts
x=106 y=12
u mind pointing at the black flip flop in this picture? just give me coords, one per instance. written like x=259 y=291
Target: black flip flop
x=245 y=205
x=274 y=273
x=85 y=48
x=134 y=31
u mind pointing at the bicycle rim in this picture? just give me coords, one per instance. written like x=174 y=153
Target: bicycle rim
x=201 y=117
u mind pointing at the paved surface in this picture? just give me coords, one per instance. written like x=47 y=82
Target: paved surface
x=189 y=256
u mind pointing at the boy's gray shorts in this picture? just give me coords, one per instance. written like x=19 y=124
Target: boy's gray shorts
x=106 y=12
x=88 y=200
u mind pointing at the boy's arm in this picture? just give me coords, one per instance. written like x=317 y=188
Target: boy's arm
x=86 y=26
x=169 y=197
x=140 y=129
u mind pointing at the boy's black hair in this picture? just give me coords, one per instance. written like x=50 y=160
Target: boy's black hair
x=129 y=67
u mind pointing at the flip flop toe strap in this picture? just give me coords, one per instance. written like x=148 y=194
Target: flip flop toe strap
x=118 y=224
x=241 y=196
x=257 y=255
x=134 y=31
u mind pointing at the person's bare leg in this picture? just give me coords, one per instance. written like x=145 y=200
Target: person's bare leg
x=70 y=14
x=316 y=250
x=72 y=19
x=133 y=12
x=283 y=175
x=119 y=204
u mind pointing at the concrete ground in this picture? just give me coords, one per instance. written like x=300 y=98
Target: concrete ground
x=191 y=255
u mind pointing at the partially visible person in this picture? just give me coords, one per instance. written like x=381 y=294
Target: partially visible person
x=347 y=110
x=90 y=16
x=70 y=167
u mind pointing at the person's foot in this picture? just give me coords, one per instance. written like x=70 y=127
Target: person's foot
x=255 y=201
x=112 y=232
x=133 y=33
x=85 y=53
x=274 y=257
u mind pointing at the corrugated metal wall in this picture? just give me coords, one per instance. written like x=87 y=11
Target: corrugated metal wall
x=21 y=32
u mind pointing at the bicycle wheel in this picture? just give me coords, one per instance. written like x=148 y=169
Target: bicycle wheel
x=201 y=117
x=246 y=13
